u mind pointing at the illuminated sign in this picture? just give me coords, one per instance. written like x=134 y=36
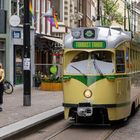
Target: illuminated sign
x=89 y=44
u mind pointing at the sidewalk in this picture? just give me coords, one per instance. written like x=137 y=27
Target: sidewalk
x=41 y=102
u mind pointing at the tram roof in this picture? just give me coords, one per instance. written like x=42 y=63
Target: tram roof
x=112 y=37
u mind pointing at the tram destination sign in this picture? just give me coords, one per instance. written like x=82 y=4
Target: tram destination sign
x=89 y=44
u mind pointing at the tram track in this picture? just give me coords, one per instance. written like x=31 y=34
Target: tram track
x=105 y=131
x=67 y=127
x=58 y=128
x=58 y=132
x=108 y=132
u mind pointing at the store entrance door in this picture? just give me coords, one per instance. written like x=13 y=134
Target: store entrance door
x=18 y=64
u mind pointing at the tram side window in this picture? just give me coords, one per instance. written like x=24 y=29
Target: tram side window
x=120 y=63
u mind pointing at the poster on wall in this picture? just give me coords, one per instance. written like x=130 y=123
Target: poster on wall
x=26 y=63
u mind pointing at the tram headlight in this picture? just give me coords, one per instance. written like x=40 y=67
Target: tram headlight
x=76 y=34
x=87 y=93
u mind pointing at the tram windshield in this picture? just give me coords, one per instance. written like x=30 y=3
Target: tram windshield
x=95 y=62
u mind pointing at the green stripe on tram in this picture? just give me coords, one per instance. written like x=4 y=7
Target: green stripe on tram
x=89 y=80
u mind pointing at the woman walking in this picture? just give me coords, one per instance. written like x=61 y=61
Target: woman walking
x=1 y=86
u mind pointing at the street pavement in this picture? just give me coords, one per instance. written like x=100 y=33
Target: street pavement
x=41 y=102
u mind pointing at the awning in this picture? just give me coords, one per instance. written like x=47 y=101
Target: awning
x=57 y=40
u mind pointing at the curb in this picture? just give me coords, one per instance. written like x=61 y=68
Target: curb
x=19 y=126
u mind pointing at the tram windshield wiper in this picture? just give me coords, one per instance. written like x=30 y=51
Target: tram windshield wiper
x=78 y=70
x=97 y=68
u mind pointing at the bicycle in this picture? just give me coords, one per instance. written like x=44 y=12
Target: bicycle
x=8 y=88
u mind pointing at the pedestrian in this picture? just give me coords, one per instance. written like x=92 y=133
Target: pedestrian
x=1 y=85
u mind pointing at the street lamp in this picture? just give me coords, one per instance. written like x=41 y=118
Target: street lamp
x=26 y=59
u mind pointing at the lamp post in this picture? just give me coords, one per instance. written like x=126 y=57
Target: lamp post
x=26 y=59
x=98 y=13
x=125 y=6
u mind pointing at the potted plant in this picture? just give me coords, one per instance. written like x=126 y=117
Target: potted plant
x=51 y=83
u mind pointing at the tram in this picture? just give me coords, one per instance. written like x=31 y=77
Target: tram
x=101 y=72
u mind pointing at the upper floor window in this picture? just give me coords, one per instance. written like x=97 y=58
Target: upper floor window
x=1 y=4
x=17 y=8
x=58 y=8
x=13 y=7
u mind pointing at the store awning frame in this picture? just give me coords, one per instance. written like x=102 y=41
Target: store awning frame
x=57 y=40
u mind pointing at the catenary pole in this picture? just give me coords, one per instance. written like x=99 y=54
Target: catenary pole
x=26 y=59
x=125 y=6
x=98 y=13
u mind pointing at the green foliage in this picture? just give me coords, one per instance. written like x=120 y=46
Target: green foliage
x=51 y=79
x=40 y=77
x=110 y=13
x=119 y=18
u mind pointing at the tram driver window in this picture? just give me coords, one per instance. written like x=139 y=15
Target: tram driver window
x=120 y=63
x=102 y=61
x=79 y=63
x=80 y=57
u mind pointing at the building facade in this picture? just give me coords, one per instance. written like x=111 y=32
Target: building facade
x=11 y=40
x=16 y=7
x=46 y=40
x=89 y=12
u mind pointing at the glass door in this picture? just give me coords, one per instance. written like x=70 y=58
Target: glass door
x=18 y=65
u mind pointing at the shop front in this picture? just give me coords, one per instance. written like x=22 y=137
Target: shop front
x=48 y=51
x=18 y=54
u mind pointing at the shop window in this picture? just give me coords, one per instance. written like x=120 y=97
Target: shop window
x=120 y=63
x=18 y=69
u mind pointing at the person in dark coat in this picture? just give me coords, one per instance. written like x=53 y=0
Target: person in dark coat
x=1 y=85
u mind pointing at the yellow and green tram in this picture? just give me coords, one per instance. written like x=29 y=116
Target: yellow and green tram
x=101 y=72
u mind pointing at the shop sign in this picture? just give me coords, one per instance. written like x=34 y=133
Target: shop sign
x=16 y=34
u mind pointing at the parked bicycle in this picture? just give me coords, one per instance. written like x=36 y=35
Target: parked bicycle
x=8 y=87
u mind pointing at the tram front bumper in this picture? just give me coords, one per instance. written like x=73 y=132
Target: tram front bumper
x=84 y=110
